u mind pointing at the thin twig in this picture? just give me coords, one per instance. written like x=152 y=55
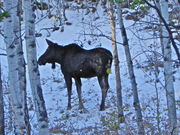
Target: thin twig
x=2 y=54
x=102 y=35
x=167 y=28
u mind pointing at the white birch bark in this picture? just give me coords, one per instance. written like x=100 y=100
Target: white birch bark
x=157 y=4
x=168 y=71
x=11 y=41
x=131 y=72
x=2 y=131
x=20 y=62
x=34 y=75
x=116 y=64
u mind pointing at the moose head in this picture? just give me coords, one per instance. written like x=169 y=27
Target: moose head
x=53 y=54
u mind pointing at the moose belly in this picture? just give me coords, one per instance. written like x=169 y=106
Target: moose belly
x=84 y=73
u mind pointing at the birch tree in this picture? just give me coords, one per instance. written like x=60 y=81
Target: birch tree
x=11 y=32
x=166 y=40
x=1 y=106
x=20 y=61
x=131 y=72
x=34 y=75
x=168 y=70
x=116 y=64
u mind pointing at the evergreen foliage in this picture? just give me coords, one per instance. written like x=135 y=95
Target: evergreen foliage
x=4 y=15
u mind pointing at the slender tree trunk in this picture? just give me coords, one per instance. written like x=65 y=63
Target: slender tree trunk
x=157 y=3
x=49 y=8
x=116 y=64
x=168 y=71
x=58 y=12
x=21 y=63
x=34 y=75
x=131 y=72
x=11 y=32
x=156 y=73
x=2 y=132
x=156 y=70
x=64 y=2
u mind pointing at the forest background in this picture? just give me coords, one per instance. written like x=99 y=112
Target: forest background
x=144 y=94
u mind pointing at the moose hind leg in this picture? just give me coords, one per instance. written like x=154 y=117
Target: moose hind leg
x=78 y=86
x=103 y=82
x=68 y=81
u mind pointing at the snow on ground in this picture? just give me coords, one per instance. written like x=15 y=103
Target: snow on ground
x=76 y=122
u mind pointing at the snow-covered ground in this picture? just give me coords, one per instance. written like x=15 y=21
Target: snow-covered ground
x=76 y=122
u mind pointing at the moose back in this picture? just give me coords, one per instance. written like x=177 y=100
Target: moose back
x=78 y=63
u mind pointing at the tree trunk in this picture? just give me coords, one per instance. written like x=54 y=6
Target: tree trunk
x=157 y=4
x=34 y=75
x=2 y=132
x=21 y=63
x=168 y=71
x=156 y=73
x=131 y=72
x=116 y=64
x=64 y=2
x=11 y=32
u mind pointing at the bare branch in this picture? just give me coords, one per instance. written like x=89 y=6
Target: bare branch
x=167 y=28
x=101 y=35
x=2 y=54
x=98 y=35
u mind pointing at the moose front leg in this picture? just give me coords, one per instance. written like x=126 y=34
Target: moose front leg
x=68 y=81
x=53 y=65
x=78 y=86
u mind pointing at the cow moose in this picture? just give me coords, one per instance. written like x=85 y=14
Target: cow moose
x=78 y=63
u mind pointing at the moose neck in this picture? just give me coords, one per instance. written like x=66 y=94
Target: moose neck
x=59 y=54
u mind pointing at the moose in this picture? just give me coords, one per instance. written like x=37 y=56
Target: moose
x=78 y=63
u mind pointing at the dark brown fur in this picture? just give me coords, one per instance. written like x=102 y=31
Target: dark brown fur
x=78 y=63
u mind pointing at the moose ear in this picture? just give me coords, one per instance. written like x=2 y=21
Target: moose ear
x=49 y=42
